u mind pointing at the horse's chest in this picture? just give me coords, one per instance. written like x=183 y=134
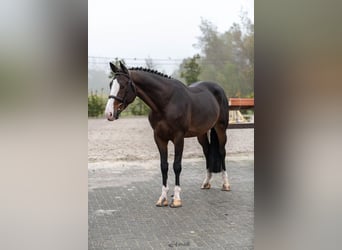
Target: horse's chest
x=164 y=128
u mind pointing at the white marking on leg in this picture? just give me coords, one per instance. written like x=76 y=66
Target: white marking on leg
x=164 y=192
x=207 y=178
x=225 y=177
x=176 y=194
x=110 y=103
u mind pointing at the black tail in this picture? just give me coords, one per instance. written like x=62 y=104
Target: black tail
x=214 y=157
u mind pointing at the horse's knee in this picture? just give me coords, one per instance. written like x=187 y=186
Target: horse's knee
x=177 y=168
x=164 y=166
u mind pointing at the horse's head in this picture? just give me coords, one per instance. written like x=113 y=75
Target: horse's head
x=122 y=92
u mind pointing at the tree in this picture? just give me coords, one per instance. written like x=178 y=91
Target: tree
x=191 y=69
x=228 y=58
x=149 y=63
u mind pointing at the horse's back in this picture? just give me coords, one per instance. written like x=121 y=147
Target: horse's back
x=213 y=88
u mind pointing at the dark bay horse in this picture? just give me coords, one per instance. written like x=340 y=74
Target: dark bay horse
x=177 y=111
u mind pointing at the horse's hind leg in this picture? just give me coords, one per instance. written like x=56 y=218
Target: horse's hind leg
x=203 y=140
x=222 y=138
x=164 y=166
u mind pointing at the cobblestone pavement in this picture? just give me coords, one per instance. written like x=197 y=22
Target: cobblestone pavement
x=124 y=215
x=124 y=182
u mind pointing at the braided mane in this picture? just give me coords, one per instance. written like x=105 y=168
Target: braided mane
x=150 y=71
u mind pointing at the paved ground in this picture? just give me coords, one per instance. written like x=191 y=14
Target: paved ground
x=122 y=196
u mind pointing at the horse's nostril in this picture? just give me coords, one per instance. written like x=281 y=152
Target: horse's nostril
x=110 y=114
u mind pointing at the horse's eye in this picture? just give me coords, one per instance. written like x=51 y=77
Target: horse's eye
x=121 y=87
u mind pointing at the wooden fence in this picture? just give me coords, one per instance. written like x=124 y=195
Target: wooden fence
x=241 y=104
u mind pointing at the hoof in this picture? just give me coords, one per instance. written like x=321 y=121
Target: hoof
x=225 y=187
x=206 y=186
x=176 y=203
x=162 y=202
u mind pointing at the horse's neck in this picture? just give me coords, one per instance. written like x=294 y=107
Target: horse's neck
x=151 y=90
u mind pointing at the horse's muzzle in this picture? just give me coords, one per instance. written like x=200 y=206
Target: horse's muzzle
x=110 y=116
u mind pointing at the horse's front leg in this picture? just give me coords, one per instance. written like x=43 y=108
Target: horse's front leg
x=177 y=167
x=164 y=166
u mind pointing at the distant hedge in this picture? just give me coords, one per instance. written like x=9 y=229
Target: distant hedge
x=97 y=104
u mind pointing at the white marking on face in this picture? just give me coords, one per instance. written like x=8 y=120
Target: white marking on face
x=110 y=103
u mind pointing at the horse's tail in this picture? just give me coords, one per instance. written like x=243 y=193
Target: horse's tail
x=215 y=159
x=214 y=156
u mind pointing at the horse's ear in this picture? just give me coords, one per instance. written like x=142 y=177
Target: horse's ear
x=123 y=67
x=113 y=67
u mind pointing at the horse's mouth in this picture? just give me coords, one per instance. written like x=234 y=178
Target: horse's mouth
x=117 y=114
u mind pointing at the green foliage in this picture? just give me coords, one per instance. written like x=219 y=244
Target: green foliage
x=227 y=58
x=191 y=69
x=96 y=105
x=138 y=107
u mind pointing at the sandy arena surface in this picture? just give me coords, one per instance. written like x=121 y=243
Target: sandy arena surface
x=131 y=139
x=124 y=182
